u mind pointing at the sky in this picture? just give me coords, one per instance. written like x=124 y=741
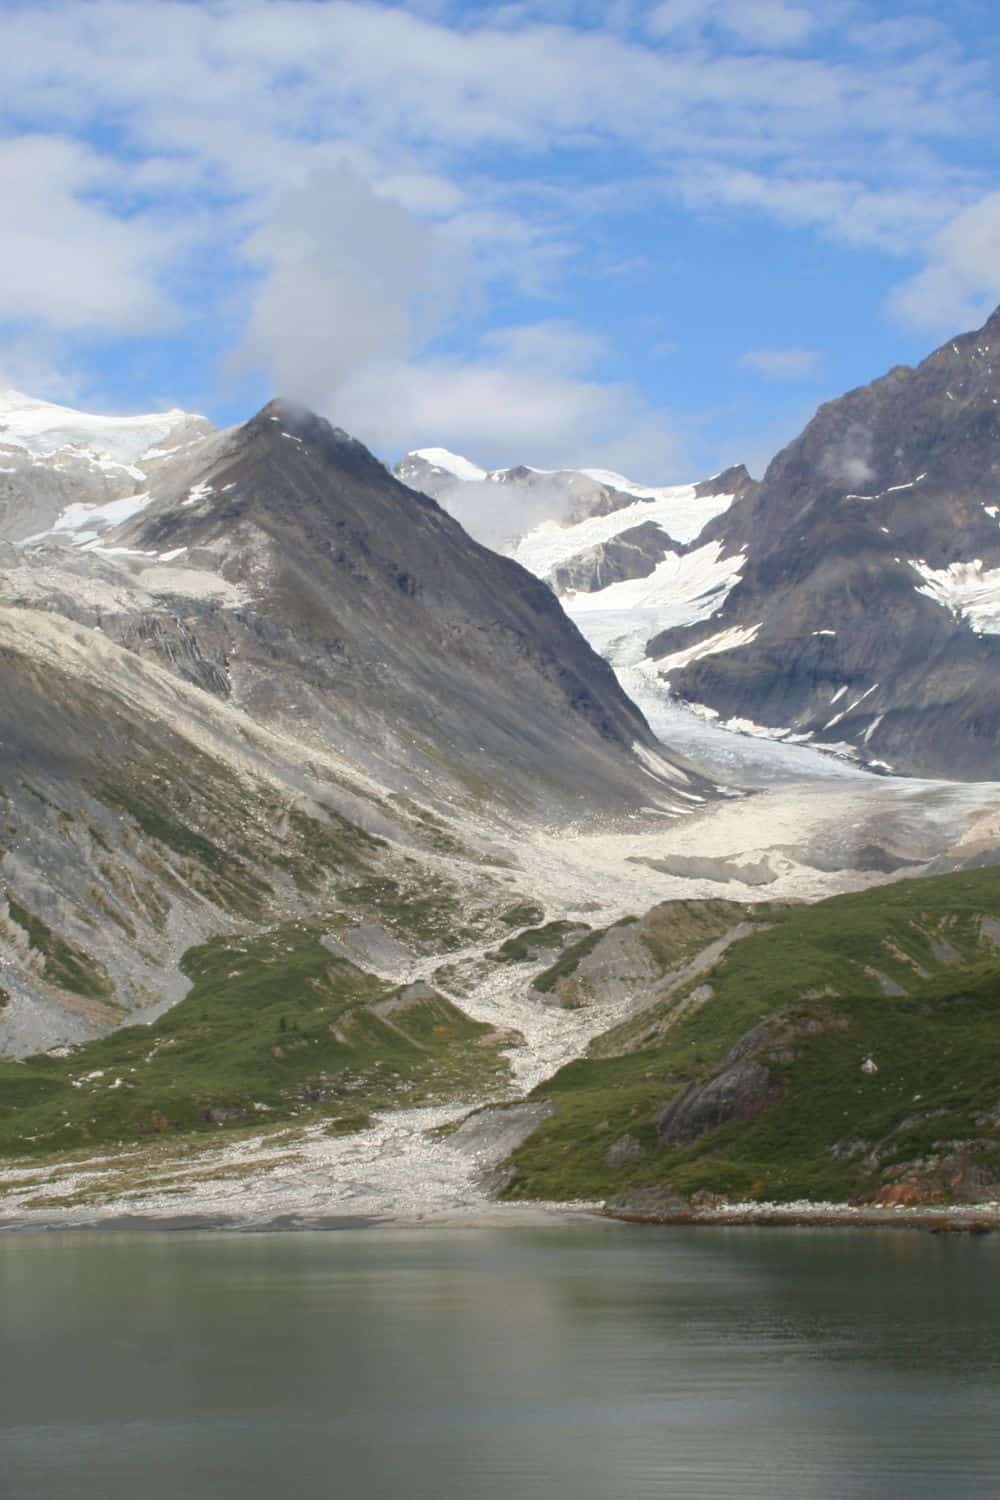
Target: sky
x=650 y=237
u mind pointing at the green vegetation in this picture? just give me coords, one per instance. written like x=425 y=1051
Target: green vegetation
x=334 y=846
x=527 y=945
x=273 y=1027
x=428 y=913
x=220 y=875
x=907 y=975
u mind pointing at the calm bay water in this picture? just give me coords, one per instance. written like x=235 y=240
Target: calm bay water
x=571 y=1363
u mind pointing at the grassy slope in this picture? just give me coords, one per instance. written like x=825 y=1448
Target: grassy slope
x=273 y=1027
x=833 y=1132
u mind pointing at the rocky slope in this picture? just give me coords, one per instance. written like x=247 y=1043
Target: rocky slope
x=273 y=681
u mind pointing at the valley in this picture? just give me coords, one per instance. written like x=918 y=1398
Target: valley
x=355 y=870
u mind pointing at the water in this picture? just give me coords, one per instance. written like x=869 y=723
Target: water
x=570 y=1363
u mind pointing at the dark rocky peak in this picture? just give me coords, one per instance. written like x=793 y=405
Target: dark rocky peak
x=288 y=421
x=917 y=432
x=736 y=480
x=872 y=549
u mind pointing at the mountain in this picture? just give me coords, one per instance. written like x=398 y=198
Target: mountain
x=318 y=819
x=864 y=610
x=604 y=544
x=628 y=562
x=502 y=507
x=276 y=681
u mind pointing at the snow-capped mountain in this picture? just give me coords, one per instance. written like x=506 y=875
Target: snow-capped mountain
x=849 y=602
x=623 y=557
x=628 y=562
x=502 y=507
x=866 y=614
x=56 y=463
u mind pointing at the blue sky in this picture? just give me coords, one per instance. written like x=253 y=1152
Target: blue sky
x=648 y=236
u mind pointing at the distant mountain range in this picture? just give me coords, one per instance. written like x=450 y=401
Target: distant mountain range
x=849 y=601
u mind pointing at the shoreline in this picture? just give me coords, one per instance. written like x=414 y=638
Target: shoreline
x=971 y=1219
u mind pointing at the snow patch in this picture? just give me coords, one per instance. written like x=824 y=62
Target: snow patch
x=451 y=463
x=83 y=522
x=196 y=493
x=850 y=707
x=725 y=640
x=891 y=489
x=969 y=590
x=678 y=511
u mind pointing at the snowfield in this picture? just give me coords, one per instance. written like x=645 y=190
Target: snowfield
x=970 y=590
x=677 y=509
x=42 y=428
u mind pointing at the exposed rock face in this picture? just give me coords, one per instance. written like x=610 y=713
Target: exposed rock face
x=741 y=1091
x=746 y=1084
x=634 y=553
x=869 y=606
x=736 y=481
x=624 y=1151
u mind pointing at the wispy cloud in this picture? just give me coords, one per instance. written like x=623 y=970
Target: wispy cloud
x=960 y=284
x=372 y=177
x=782 y=364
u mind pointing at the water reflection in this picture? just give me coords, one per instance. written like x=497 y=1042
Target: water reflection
x=588 y=1362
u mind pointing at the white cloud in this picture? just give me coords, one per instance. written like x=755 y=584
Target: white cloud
x=353 y=291
x=530 y=396
x=350 y=280
x=847 y=461
x=348 y=151
x=890 y=219
x=960 y=285
x=67 y=262
x=781 y=364
x=40 y=365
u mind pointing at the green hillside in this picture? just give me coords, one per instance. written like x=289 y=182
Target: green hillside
x=850 y=1049
x=274 y=1027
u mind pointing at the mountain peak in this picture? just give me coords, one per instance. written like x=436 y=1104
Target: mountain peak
x=445 y=460
x=297 y=423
